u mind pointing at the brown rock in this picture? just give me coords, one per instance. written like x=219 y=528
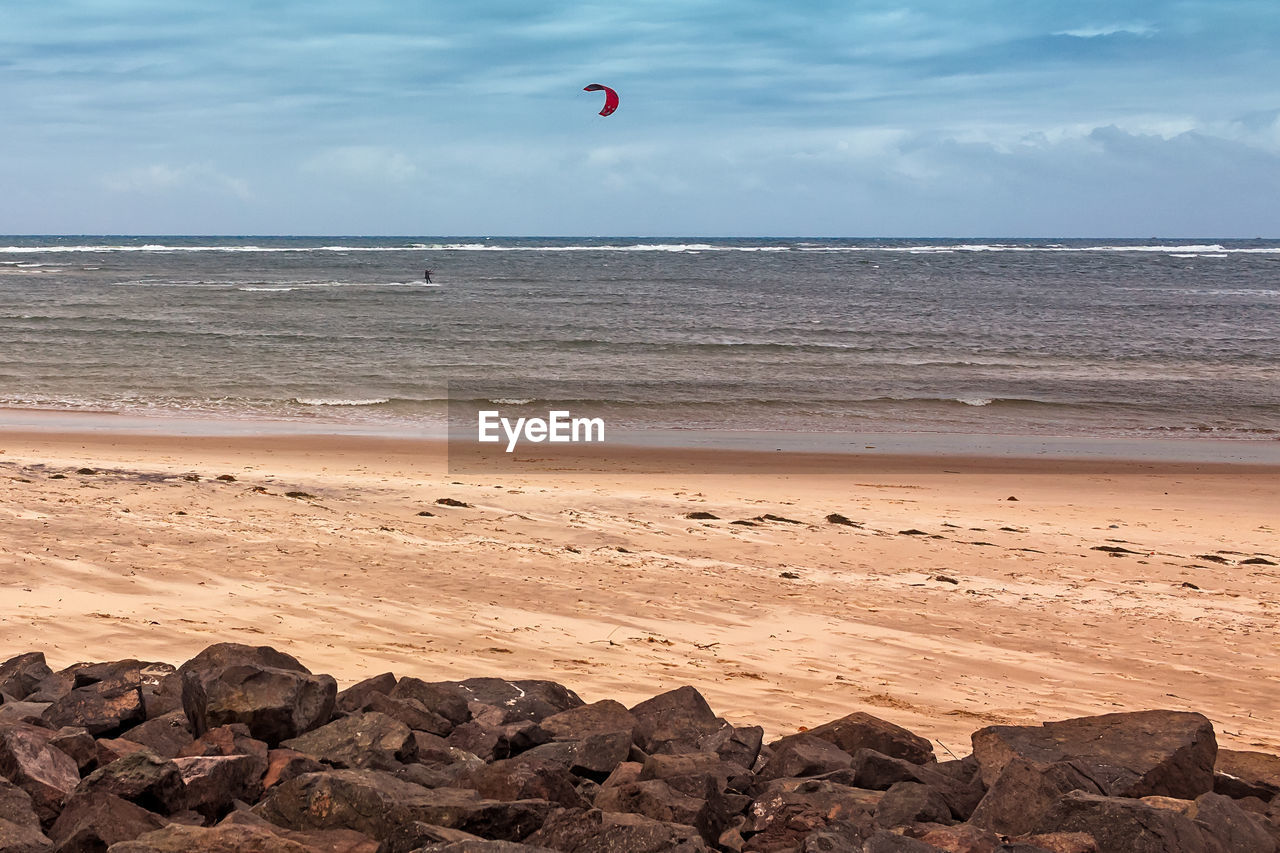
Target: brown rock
x=411 y=712
x=45 y=773
x=497 y=701
x=375 y=803
x=803 y=755
x=362 y=740
x=77 y=743
x=676 y=721
x=142 y=778
x=109 y=749
x=863 y=731
x=1246 y=774
x=583 y=721
x=286 y=764
x=524 y=779
x=93 y=821
x=594 y=831
x=1163 y=753
x=1024 y=792
x=214 y=782
x=31 y=713
x=15 y=805
x=19 y=676
x=789 y=809
x=1120 y=825
x=354 y=697
x=218 y=839
x=20 y=838
x=166 y=735
x=448 y=700
x=911 y=802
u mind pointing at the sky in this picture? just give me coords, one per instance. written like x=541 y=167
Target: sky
x=746 y=118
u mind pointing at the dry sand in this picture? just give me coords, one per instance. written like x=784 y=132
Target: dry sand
x=1000 y=611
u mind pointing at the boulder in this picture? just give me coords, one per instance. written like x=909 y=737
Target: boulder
x=268 y=691
x=594 y=831
x=286 y=764
x=233 y=739
x=93 y=821
x=1143 y=753
x=20 y=675
x=214 y=782
x=523 y=778
x=676 y=721
x=109 y=749
x=863 y=731
x=409 y=711
x=1241 y=774
x=1233 y=828
x=911 y=802
x=142 y=778
x=362 y=740
x=447 y=700
x=77 y=743
x=583 y=721
x=690 y=772
x=31 y=713
x=354 y=697
x=16 y=806
x=21 y=838
x=500 y=702
x=177 y=838
x=492 y=742
x=803 y=755
x=789 y=809
x=105 y=708
x=1024 y=792
x=166 y=735
x=45 y=773
x=1122 y=825
x=375 y=803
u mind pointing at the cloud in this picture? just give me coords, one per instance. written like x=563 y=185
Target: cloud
x=362 y=162
x=166 y=178
x=1109 y=30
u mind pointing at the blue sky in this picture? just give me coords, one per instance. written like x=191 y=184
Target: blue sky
x=947 y=117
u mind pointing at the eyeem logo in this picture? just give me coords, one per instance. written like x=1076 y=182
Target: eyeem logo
x=558 y=427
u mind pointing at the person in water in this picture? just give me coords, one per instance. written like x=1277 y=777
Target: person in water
x=427 y=275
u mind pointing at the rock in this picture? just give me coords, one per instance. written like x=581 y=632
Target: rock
x=447 y=700
x=1162 y=753
x=1120 y=825
x=362 y=740
x=233 y=739
x=142 y=778
x=20 y=675
x=411 y=712
x=321 y=841
x=93 y=821
x=20 y=838
x=1246 y=774
x=106 y=708
x=690 y=772
x=707 y=811
x=583 y=721
x=676 y=721
x=880 y=772
x=375 y=803
x=275 y=704
x=109 y=749
x=354 y=697
x=497 y=741
x=911 y=802
x=803 y=755
x=31 y=713
x=45 y=773
x=594 y=831
x=1056 y=842
x=166 y=735
x=736 y=744
x=885 y=842
x=500 y=702
x=1234 y=829
x=416 y=835
x=524 y=779
x=789 y=809
x=863 y=731
x=214 y=782
x=286 y=764
x=218 y=839
x=961 y=838
x=77 y=743
x=1024 y=792
x=16 y=806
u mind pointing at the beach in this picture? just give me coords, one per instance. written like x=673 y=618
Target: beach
x=964 y=590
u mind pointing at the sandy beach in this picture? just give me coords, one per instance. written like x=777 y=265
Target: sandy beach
x=945 y=604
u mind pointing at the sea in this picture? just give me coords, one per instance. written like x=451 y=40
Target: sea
x=1102 y=338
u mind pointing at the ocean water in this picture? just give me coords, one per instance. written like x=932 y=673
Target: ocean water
x=1065 y=337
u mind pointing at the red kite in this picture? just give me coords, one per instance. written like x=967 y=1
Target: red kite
x=610 y=97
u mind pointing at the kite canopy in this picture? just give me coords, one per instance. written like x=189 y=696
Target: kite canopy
x=610 y=97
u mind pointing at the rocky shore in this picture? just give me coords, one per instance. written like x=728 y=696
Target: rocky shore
x=244 y=749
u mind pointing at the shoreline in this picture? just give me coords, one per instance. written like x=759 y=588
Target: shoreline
x=715 y=446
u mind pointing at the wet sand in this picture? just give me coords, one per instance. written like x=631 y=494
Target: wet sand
x=942 y=607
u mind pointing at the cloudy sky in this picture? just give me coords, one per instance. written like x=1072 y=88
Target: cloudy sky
x=750 y=117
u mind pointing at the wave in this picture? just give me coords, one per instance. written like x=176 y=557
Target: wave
x=1176 y=250
x=335 y=401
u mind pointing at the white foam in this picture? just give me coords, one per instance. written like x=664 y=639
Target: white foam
x=326 y=401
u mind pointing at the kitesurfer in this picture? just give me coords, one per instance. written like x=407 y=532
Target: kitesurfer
x=427 y=275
